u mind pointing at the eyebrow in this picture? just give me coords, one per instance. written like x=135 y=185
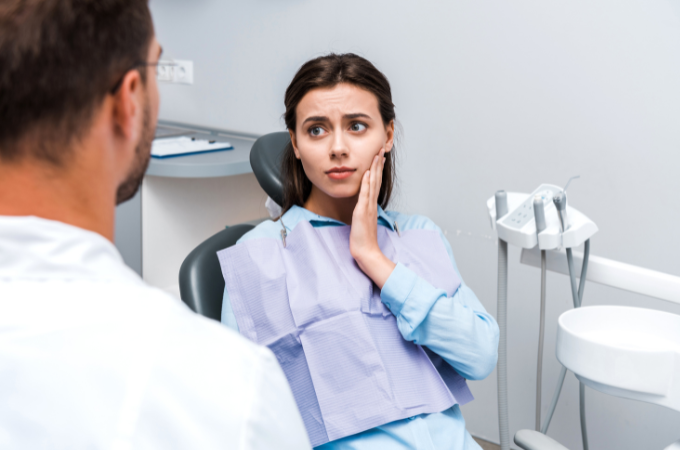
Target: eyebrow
x=160 y=51
x=346 y=116
x=356 y=116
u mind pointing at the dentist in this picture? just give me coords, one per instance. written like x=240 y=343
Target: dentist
x=90 y=356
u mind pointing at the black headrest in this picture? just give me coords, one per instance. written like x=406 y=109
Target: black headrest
x=265 y=159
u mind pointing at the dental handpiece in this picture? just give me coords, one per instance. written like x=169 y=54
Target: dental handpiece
x=560 y=201
x=501 y=198
x=539 y=214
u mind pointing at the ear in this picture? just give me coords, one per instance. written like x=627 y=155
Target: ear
x=127 y=107
x=294 y=142
x=389 y=131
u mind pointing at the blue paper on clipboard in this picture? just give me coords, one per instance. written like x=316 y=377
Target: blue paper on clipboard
x=184 y=146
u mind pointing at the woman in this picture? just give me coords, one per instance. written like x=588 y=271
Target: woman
x=364 y=308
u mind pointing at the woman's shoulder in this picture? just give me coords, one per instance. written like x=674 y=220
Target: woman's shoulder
x=419 y=222
x=267 y=229
x=412 y=221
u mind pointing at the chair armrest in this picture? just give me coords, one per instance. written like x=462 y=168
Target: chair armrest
x=533 y=440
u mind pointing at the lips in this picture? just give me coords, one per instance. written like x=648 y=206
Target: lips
x=340 y=173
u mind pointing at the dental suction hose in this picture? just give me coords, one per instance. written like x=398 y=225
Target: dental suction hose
x=503 y=420
x=577 y=295
x=563 y=372
x=539 y=215
x=560 y=201
x=555 y=399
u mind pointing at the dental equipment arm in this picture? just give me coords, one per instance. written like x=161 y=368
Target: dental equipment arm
x=555 y=225
x=501 y=203
x=539 y=215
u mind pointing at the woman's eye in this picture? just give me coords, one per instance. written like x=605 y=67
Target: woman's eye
x=316 y=131
x=357 y=127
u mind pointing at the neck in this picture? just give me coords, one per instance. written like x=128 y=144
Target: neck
x=67 y=194
x=340 y=209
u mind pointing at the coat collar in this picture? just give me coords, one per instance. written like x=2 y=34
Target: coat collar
x=32 y=248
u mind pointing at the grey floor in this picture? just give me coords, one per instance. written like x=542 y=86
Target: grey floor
x=486 y=445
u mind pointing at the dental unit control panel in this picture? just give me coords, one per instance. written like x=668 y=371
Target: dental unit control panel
x=518 y=226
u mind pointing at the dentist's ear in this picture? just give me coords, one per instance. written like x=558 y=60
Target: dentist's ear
x=294 y=142
x=389 y=131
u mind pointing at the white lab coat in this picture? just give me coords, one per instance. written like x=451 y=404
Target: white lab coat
x=92 y=357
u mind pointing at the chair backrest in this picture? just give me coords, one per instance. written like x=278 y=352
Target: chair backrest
x=265 y=159
x=201 y=284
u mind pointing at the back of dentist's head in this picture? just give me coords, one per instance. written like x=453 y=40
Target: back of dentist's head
x=76 y=93
x=326 y=72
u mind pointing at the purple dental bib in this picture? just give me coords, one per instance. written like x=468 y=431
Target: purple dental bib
x=338 y=344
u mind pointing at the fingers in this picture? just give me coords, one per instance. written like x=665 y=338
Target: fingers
x=370 y=185
x=376 y=175
x=364 y=192
x=381 y=167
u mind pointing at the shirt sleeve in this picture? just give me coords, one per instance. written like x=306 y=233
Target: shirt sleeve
x=274 y=420
x=457 y=328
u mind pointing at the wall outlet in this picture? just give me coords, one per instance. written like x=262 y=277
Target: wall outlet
x=176 y=71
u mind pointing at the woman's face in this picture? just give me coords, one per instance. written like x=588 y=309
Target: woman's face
x=338 y=133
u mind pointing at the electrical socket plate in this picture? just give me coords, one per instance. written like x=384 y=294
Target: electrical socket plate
x=176 y=71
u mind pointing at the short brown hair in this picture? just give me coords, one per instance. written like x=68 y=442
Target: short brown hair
x=58 y=60
x=326 y=72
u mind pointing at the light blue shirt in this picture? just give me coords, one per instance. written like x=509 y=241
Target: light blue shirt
x=458 y=328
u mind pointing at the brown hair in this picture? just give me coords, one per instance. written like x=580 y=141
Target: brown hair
x=58 y=60
x=327 y=72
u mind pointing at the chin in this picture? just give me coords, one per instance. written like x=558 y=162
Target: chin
x=342 y=193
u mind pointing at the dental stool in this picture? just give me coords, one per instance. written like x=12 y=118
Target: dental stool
x=201 y=284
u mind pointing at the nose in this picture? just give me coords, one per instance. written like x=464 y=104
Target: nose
x=338 y=149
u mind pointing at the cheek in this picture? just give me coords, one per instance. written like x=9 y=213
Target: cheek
x=312 y=161
x=154 y=99
x=366 y=149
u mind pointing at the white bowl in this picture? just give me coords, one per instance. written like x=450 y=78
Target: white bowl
x=627 y=352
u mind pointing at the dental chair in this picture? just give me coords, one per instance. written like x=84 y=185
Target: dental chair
x=201 y=284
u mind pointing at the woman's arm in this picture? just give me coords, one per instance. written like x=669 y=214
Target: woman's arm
x=457 y=328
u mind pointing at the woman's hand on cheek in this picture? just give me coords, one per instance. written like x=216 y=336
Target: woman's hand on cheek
x=363 y=237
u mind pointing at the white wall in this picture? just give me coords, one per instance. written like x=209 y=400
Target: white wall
x=490 y=95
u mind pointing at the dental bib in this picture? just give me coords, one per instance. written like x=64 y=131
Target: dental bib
x=349 y=368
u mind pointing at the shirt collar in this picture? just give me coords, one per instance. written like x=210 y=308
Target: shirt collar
x=297 y=213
